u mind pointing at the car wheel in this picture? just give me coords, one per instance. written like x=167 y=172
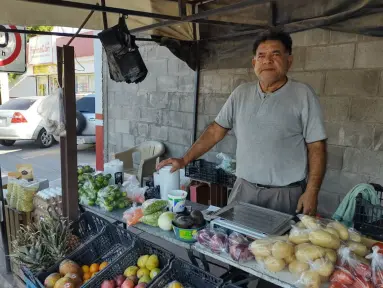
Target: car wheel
x=7 y=142
x=80 y=123
x=45 y=140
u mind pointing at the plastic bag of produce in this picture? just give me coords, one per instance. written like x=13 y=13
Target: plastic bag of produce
x=377 y=266
x=351 y=269
x=151 y=219
x=88 y=192
x=133 y=215
x=228 y=164
x=299 y=235
x=309 y=279
x=111 y=197
x=25 y=196
x=11 y=191
x=239 y=247
x=214 y=239
x=154 y=205
x=132 y=188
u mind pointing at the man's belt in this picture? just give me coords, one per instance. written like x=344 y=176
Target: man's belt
x=292 y=185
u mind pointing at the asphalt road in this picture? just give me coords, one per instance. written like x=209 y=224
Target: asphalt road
x=46 y=162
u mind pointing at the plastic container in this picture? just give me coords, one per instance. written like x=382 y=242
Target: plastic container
x=186 y=274
x=129 y=258
x=230 y=285
x=368 y=218
x=177 y=199
x=186 y=235
x=168 y=181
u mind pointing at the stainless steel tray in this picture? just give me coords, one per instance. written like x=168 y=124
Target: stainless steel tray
x=255 y=218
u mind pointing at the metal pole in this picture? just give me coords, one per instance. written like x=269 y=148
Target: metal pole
x=196 y=81
x=104 y=17
x=3 y=227
x=82 y=26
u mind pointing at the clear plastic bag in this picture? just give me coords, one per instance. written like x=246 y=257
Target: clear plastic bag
x=154 y=205
x=25 y=195
x=11 y=191
x=133 y=190
x=88 y=192
x=239 y=247
x=214 y=239
x=111 y=197
x=377 y=266
x=228 y=164
x=133 y=215
x=51 y=109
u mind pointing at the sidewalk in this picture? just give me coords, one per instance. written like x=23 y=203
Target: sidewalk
x=6 y=279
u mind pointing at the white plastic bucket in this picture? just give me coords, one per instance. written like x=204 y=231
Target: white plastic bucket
x=168 y=181
x=177 y=199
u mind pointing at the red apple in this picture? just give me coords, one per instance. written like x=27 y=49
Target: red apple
x=127 y=284
x=119 y=279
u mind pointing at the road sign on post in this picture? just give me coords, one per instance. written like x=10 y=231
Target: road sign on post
x=12 y=50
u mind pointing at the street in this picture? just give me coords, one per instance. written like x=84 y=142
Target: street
x=46 y=162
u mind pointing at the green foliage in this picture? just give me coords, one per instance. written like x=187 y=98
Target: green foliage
x=38 y=28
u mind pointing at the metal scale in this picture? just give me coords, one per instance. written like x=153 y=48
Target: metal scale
x=250 y=220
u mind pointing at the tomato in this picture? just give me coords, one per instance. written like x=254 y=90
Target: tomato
x=342 y=276
x=380 y=245
x=363 y=270
x=379 y=277
x=337 y=285
x=361 y=283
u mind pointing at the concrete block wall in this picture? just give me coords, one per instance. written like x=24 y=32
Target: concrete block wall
x=346 y=71
x=159 y=108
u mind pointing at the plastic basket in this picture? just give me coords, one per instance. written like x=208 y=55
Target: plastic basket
x=187 y=274
x=202 y=170
x=226 y=179
x=129 y=258
x=368 y=218
x=230 y=285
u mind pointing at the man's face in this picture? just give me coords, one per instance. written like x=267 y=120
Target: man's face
x=271 y=61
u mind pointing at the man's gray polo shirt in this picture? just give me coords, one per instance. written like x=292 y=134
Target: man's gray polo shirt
x=272 y=130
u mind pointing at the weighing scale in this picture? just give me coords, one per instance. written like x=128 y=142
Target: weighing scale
x=251 y=220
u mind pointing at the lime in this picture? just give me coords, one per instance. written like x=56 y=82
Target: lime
x=108 y=176
x=91 y=203
x=109 y=208
x=121 y=205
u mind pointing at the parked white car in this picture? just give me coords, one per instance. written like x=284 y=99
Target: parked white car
x=19 y=120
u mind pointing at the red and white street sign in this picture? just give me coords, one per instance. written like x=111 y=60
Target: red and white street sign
x=12 y=50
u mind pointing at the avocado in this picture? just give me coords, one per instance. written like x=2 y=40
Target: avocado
x=197 y=217
x=184 y=222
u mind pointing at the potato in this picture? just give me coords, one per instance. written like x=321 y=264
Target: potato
x=323 y=266
x=310 y=279
x=342 y=230
x=297 y=267
x=332 y=231
x=324 y=239
x=299 y=246
x=331 y=255
x=261 y=247
x=310 y=222
x=358 y=248
x=354 y=236
x=260 y=259
x=300 y=225
x=309 y=253
x=290 y=258
x=274 y=265
x=282 y=250
x=299 y=236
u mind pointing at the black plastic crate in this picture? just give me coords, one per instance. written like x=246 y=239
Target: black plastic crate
x=368 y=218
x=202 y=170
x=129 y=258
x=230 y=286
x=226 y=179
x=186 y=274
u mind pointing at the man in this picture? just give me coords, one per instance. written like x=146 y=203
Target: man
x=280 y=134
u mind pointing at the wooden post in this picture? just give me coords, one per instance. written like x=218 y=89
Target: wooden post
x=68 y=144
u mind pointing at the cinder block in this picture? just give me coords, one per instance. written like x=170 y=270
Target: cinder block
x=143 y=129
x=180 y=136
x=157 y=67
x=139 y=100
x=352 y=82
x=163 y=52
x=158 y=100
x=150 y=115
x=122 y=126
x=367 y=110
x=133 y=128
x=330 y=57
x=167 y=83
x=358 y=135
x=186 y=102
x=239 y=79
x=335 y=157
x=128 y=141
x=335 y=108
x=115 y=112
x=149 y=84
x=151 y=51
x=314 y=79
x=378 y=138
x=227 y=145
x=174 y=150
x=328 y=202
x=130 y=113
x=178 y=119
x=365 y=38
x=120 y=98
x=174 y=101
x=214 y=105
x=223 y=83
x=311 y=37
x=369 y=55
x=341 y=182
x=363 y=162
x=173 y=67
x=337 y=37
x=380 y=93
x=184 y=69
x=186 y=84
x=204 y=121
x=138 y=141
x=299 y=55
x=110 y=123
x=159 y=132
x=112 y=138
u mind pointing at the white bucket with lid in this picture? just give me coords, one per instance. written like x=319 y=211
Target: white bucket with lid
x=177 y=199
x=168 y=181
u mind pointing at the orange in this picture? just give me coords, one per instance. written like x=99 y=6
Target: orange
x=103 y=265
x=93 y=274
x=85 y=268
x=87 y=276
x=94 y=268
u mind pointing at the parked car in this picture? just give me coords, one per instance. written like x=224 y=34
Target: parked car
x=19 y=120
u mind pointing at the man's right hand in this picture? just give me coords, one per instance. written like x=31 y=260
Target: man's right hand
x=177 y=164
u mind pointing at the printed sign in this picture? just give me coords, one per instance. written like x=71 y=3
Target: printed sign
x=12 y=50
